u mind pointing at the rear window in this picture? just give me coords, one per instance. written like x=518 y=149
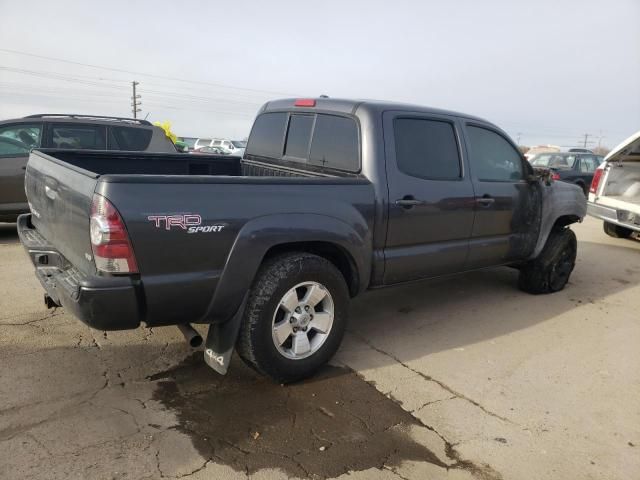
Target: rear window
x=321 y=140
x=78 y=136
x=129 y=138
x=298 y=136
x=335 y=143
x=267 y=134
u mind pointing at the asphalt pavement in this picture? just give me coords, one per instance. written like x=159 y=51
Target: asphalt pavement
x=459 y=378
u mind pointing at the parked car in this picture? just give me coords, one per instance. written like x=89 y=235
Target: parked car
x=332 y=198
x=202 y=142
x=234 y=147
x=614 y=195
x=576 y=168
x=19 y=136
x=533 y=151
x=580 y=150
x=211 y=151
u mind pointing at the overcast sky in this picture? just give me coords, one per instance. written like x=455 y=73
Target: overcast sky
x=545 y=71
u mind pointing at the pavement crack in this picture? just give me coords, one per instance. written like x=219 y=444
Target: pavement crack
x=429 y=378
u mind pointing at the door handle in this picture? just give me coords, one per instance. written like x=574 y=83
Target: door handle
x=486 y=200
x=408 y=201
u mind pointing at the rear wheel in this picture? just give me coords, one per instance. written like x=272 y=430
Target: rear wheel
x=616 y=231
x=295 y=317
x=550 y=271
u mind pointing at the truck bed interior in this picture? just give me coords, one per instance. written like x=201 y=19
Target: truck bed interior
x=623 y=182
x=132 y=163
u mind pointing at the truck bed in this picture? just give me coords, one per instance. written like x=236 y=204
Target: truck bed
x=132 y=163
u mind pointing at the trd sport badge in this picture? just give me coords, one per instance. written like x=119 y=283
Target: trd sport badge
x=190 y=222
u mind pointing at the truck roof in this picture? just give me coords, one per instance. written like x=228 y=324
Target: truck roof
x=350 y=106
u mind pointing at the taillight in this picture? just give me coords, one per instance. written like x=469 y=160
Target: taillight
x=110 y=243
x=595 y=182
x=555 y=176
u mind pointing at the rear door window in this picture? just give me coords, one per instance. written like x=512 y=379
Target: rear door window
x=427 y=149
x=588 y=164
x=129 y=138
x=267 y=135
x=78 y=136
x=18 y=140
x=299 y=136
x=335 y=143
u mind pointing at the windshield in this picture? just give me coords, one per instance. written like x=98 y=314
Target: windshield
x=239 y=143
x=554 y=160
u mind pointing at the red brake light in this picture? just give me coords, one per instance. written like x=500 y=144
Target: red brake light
x=555 y=176
x=595 y=182
x=305 y=102
x=110 y=243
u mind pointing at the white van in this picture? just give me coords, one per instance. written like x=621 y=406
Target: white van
x=614 y=195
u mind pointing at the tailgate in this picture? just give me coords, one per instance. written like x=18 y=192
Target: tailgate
x=60 y=196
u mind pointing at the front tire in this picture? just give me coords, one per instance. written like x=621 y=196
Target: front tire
x=295 y=317
x=616 y=231
x=550 y=271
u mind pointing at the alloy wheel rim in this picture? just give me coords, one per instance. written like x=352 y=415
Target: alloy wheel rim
x=302 y=320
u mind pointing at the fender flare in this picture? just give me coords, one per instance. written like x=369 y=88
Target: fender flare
x=560 y=201
x=263 y=233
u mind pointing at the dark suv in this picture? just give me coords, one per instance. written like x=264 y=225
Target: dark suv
x=571 y=167
x=85 y=132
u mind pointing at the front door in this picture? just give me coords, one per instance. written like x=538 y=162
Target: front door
x=430 y=208
x=507 y=205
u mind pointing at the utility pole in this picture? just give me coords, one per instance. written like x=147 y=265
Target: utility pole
x=586 y=139
x=134 y=100
x=518 y=141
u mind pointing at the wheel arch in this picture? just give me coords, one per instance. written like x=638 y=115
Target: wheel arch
x=348 y=246
x=333 y=252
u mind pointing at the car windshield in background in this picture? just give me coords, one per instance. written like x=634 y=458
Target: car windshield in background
x=554 y=160
x=239 y=144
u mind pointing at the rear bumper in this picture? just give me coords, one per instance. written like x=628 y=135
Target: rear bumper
x=104 y=303
x=613 y=215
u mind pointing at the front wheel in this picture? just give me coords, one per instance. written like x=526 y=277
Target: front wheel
x=295 y=317
x=550 y=271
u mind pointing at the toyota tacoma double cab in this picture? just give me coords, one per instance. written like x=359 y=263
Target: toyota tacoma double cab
x=332 y=198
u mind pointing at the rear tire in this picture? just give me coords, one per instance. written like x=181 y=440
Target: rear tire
x=616 y=231
x=550 y=271
x=281 y=305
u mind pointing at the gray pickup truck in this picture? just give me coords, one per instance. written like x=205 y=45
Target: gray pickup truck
x=332 y=197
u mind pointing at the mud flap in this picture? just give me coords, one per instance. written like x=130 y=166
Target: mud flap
x=221 y=339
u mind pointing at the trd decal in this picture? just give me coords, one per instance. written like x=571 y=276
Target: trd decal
x=191 y=222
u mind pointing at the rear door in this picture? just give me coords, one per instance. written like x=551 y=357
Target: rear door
x=507 y=206
x=431 y=207
x=586 y=168
x=16 y=141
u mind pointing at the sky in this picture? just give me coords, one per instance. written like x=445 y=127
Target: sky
x=545 y=71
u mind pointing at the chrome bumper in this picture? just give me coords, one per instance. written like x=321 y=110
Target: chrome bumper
x=611 y=215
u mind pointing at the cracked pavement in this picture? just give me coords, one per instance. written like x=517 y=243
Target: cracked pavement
x=455 y=379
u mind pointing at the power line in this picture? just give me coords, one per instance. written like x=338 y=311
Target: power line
x=132 y=72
